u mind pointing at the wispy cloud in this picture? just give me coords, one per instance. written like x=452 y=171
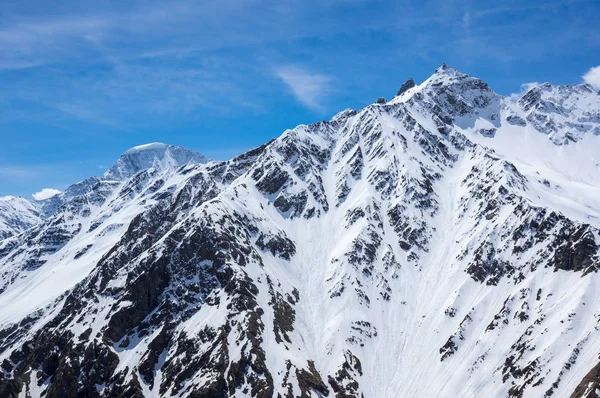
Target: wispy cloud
x=592 y=77
x=512 y=8
x=15 y=172
x=41 y=42
x=106 y=62
x=466 y=19
x=308 y=88
x=83 y=112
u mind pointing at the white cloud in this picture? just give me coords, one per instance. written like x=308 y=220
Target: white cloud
x=45 y=193
x=592 y=77
x=309 y=88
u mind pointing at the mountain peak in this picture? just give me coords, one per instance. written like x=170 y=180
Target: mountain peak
x=156 y=154
x=11 y=198
x=407 y=85
x=152 y=146
x=449 y=77
x=446 y=70
x=563 y=112
x=16 y=215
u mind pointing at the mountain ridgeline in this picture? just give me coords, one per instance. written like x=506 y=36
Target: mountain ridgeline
x=443 y=243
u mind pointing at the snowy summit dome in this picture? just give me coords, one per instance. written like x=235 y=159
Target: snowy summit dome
x=156 y=154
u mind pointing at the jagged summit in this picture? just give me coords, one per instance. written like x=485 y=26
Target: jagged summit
x=566 y=113
x=445 y=75
x=547 y=86
x=443 y=80
x=343 y=115
x=158 y=155
x=407 y=85
x=444 y=69
x=456 y=98
x=563 y=113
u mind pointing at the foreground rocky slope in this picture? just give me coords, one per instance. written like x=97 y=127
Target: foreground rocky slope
x=444 y=243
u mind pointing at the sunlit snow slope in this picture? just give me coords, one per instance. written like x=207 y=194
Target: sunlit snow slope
x=442 y=244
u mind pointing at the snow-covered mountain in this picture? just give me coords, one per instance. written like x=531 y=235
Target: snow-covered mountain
x=445 y=243
x=16 y=215
x=157 y=155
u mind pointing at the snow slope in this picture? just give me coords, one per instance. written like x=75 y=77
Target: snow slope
x=445 y=243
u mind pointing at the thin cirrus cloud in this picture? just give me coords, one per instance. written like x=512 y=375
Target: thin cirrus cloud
x=38 y=43
x=592 y=77
x=8 y=172
x=45 y=193
x=309 y=88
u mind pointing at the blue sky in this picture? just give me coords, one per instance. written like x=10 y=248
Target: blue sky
x=82 y=81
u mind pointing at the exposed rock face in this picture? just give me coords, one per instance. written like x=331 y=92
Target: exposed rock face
x=399 y=250
x=407 y=85
x=565 y=113
x=589 y=385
